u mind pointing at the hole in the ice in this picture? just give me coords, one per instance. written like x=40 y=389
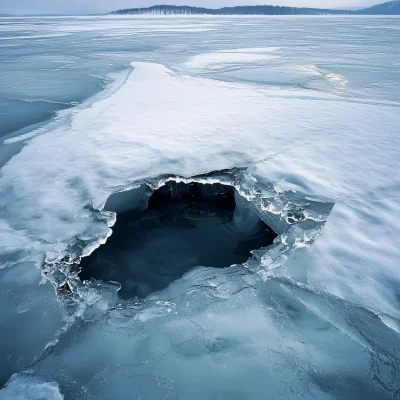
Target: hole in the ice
x=180 y=226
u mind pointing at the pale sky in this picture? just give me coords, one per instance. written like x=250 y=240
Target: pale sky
x=102 y=6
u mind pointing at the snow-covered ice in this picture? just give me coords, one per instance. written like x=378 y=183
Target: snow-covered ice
x=276 y=105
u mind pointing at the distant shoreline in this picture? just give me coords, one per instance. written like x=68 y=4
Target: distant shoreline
x=389 y=8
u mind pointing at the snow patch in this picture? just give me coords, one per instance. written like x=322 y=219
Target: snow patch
x=222 y=58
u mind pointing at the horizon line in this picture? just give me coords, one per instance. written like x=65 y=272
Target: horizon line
x=350 y=9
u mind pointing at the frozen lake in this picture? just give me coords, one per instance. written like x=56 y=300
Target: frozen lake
x=299 y=117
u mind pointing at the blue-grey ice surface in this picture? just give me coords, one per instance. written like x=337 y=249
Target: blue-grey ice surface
x=303 y=116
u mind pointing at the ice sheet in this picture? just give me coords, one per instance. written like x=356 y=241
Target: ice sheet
x=320 y=321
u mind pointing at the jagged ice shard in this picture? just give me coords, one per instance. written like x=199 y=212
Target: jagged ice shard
x=219 y=221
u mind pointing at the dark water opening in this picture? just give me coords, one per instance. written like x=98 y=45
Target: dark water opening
x=183 y=226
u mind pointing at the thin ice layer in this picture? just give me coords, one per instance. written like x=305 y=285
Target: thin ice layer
x=221 y=333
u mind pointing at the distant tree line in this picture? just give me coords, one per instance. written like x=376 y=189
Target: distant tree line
x=239 y=10
x=389 y=8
